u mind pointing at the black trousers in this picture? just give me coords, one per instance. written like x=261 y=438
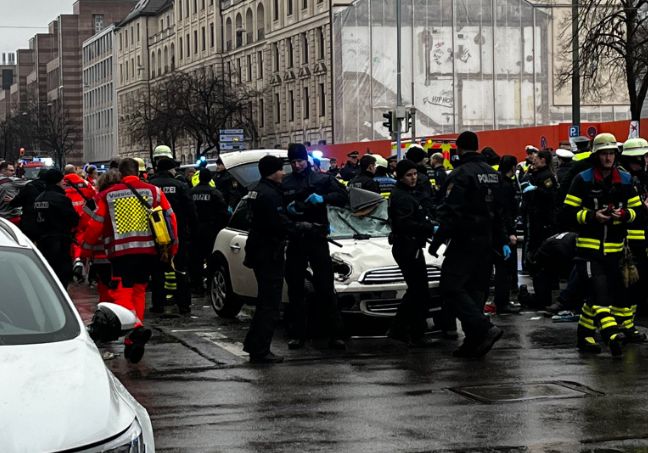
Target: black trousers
x=56 y=250
x=201 y=247
x=269 y=276
x=413 y=310
x=132 y=269
x=166 y=280
x=465 y=275
x=505 y=275
x=299 y=254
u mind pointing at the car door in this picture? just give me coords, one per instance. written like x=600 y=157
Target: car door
x=242 y=277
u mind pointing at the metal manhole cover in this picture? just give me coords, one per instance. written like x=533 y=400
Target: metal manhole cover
x=515 y=392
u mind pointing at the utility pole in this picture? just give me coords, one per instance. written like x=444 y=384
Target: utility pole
x=576 y=67
x=399 y=99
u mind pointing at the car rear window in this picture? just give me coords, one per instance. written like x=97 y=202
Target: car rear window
x=32 y=308
x=248 y=174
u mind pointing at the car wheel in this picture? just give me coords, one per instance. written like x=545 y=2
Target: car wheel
x=223 y=301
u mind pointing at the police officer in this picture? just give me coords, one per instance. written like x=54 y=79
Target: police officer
x=227 y=185
x=212 y=217
x=385 y=182
x=351 y=168
x=306 y=195
x=173 y=276
x=264 y=253
x=411 y=228
x=471 y=223
x=565 y=163
x=601 y=206
x=25 y=200
x=392 y=161
x=365 y=179
x=333 y=170
x=437 y=173
x=55 y=222
x=417 y=155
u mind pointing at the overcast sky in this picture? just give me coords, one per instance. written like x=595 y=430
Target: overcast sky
x=15 y=15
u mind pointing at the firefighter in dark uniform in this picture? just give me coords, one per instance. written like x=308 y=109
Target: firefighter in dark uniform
x=306 y=196
x=539 y=203
x=411 y=227
x=365 y=179
x=173 y=277
x=351 y=168
x=471 y=224
x=602 y=205
x=264 y=253
x=55 y=221
x=212 y=217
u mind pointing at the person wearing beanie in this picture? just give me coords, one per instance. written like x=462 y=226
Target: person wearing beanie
x=213 y=216
x=56 y=220
x=264 y=254
x=411 y=228
x=174 y=279
x=417 y=154
x=472 y=227
x=306 y=196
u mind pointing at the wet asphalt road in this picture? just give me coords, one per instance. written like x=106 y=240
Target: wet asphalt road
x=534 y=392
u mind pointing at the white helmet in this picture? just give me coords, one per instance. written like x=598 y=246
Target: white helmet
x=162 y=151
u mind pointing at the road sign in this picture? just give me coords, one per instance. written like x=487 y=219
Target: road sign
x=574 y=131
x=232 y=146
x=634 y=129
x=591 y=132
x=231 y=132
x=232 y=138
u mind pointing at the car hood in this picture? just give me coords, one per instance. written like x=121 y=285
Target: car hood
x=57 y=396
x=364 y=255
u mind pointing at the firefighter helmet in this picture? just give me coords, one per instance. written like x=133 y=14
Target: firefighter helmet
x=140 y=164
x=604 y=141
x=162 y=151
x=635 y=147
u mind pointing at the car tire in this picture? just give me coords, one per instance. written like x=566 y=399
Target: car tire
x=221 y=297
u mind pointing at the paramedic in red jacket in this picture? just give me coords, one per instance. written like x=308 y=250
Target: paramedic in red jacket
x=122 y=221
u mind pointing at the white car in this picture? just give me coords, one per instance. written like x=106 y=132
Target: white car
x=57 y=393
x=367 y=279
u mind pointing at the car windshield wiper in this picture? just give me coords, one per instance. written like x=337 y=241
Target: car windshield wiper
x=357 y=234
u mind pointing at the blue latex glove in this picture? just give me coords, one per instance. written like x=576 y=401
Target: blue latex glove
x=529 y=188
x=230 y=211
x=506 y=252
x=315 y=199
x=292 y=210
x=435 y=229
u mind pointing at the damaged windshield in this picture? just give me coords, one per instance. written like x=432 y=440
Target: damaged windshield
x=345 y=224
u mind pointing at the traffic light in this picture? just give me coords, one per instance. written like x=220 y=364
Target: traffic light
x=389 y=121
x=409 y=121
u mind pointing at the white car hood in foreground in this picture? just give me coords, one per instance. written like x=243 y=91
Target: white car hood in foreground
x=58 y=396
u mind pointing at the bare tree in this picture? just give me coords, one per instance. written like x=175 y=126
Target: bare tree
x=613 y=49
x=52 y=129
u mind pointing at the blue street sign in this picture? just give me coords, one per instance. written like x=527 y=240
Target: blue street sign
x=574 y=131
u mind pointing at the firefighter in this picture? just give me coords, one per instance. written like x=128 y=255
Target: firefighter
x=212 y=217
x=121 y=221
x=411 y=227
x=264 y=253
x=471 y=222
x=365 y=179
x=173 y=278
x=81 y=193
x=141 y=168
x=160 y=152
x=600 y=205
x=352 y=167
x=56 y=219
x=306 y=196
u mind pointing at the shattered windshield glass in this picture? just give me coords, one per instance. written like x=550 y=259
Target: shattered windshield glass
x=345 y=224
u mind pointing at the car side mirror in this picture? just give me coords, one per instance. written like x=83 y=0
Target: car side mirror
x=110 y=322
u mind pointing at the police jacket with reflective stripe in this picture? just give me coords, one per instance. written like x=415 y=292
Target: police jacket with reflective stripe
x=122 y=221
x=471 y=211
x=591 y=192
x=177 y=192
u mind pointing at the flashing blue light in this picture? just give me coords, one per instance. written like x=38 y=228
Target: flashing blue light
x=203 y=158
x=317 y=154
x=103 y=166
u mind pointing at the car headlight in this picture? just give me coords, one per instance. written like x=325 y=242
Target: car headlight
x=341 y=269
x=130 y=441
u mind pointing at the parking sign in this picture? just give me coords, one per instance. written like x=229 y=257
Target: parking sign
x=574 y=131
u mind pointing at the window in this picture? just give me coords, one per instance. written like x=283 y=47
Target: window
x=249 y=68
x=322 y=100
x=168 y=21
x=260 y=64
x=229 y=72
x=195 y=41
x=291 y=106
x=121 y=72
x=126 y=37
x=202 y=5
x=241 y=218
x=306 y=100
x=187 y=9
x=98 y=21
x=304 y=48
x=289 y=7
x=138 y=32
x=181 y=48
x=161 y=25
x=195 y=8
x=204 y=40
x=261 y=113
x=304 y=4
x=275 y=10
x=277 y=107
x=132 y=67
x=188 y=45
x=139 y=65
x=211 y=35
x=289 y=53
x=275 y=57
x=132 y=36
x=126 y=70
x=120 y=42
x=239 y=70
x=320 y=43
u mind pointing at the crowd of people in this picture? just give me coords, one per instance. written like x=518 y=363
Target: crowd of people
x=582 y=214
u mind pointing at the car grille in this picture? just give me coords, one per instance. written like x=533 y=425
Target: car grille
x=393 y=274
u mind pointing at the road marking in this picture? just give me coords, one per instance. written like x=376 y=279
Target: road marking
x=234 y=347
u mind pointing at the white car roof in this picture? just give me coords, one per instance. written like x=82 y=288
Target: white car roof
x=236 y=158
x=11 y=236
